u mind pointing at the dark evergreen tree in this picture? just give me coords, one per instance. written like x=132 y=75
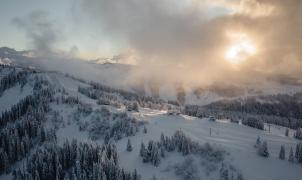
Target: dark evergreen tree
x=224 y=173
x=145 y=130
x=282 y=153
x=239 y=177
x=258 y=142
x=263 y=150
x=297 y=152
x=291 y=155
x=286 y=132
x=129 y=146
x=143 y=150
x=298 y=133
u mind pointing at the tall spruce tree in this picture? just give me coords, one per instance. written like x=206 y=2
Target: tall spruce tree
x=291 y=155
x=282 y=153
x=129 y=146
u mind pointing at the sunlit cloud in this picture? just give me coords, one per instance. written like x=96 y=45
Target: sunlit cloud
x=203 y=38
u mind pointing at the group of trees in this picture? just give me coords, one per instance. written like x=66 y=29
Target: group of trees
x=12 y=79
x=103 y=98
x=188 y=169
x=151 y=153
x=117 y=97
x=253 y=122
x=262 y=147
x=74 y=161
x=298 y=134
x=298 y=153
x=37 y=101
x=17 y=139
x=130 y=96
x=289 y=107
x=112 y=125
x=236 y=116
x=66 y=99
x=132 y=106
x=263 y=151
x=201 y=112
x=22 y=127
x=181 y=143
x=229 y=173
x=297 y=157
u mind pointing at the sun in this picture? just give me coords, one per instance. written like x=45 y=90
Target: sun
x=241 y=49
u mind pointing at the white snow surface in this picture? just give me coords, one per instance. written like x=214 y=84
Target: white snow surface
x=236 y=139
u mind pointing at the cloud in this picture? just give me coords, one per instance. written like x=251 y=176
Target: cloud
x=179 y=34
x=181 y=41
x=40 y=31
x=166 y=35
x=276 y=32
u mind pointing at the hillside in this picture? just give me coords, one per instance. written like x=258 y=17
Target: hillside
x=60 y=109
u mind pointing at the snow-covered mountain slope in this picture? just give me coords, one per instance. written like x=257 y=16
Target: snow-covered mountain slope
x=237 y=139
x=191 y=148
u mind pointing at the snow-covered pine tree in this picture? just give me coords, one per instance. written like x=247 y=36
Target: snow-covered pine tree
x=129 y=146
x=135 y=176
x=239 y=177
x=135 y=107
x=298 y=133
x=162 y=152
x=286 y=132
x=258 y=142
x=282 y=153
x=291 y=155
x=107 y=137
x=4 y=161
x=155 y=156
x=297 y=152
x=263 y=150
x=153 y=178
x=224 y=173
x=145 y=130
x=162 y=139
x=299 y=159
x=142 y=150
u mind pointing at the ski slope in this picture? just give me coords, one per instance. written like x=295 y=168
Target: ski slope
x=236 y=139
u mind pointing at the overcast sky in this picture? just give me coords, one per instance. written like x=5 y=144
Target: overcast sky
x=209 y=39
x=75 y=27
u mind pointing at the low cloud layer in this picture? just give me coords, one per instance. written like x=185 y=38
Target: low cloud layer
x=182 y=41
x=185 y=41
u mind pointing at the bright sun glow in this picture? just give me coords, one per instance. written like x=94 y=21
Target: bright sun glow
x=241 y=48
